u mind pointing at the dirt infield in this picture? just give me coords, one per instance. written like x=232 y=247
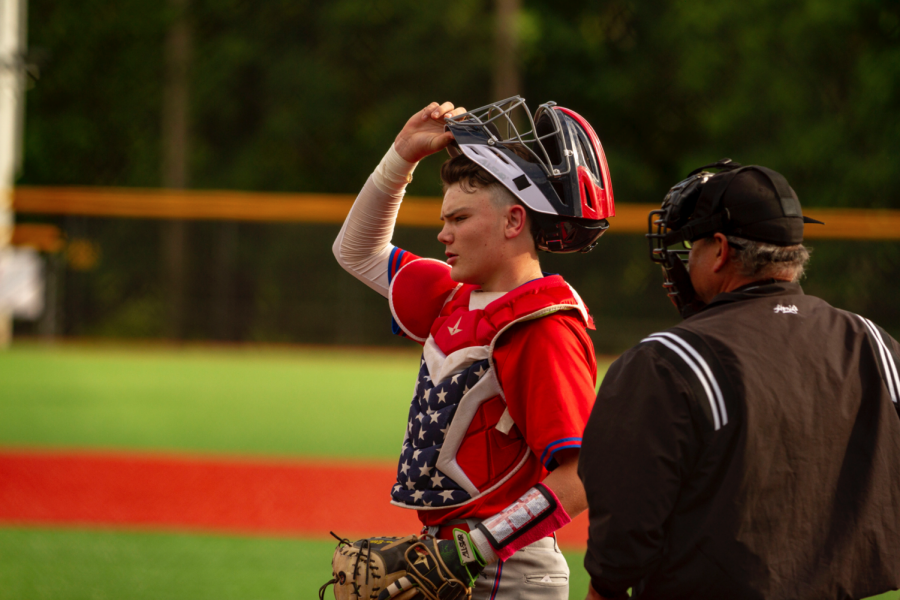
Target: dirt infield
x=233 y=495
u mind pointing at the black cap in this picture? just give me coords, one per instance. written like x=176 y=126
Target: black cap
x=758 y=205
x=758 y=211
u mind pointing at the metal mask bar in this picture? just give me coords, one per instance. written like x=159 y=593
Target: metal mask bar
x=495 y=117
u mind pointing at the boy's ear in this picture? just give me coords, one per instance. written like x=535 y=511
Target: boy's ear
x=516 y=221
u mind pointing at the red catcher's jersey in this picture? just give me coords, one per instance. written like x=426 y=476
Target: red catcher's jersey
x=501 y=389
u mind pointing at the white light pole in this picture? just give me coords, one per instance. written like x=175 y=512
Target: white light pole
x=12 y=110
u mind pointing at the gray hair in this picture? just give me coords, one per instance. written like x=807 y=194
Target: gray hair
x=764 y=261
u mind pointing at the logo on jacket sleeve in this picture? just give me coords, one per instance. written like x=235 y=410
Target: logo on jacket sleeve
x=790 y=309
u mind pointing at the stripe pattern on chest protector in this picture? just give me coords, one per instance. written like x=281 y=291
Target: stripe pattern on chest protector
x=448 y=392
x=698 y=370
x=887 y=362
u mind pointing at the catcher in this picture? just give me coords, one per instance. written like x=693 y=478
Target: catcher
x=507 y=376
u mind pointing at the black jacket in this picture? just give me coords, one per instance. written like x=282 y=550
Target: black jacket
x=751 y=452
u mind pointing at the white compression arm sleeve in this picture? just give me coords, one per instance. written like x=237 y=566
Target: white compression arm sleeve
x=363 y=247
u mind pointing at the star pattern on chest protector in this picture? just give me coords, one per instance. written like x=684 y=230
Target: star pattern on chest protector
x=419 y=481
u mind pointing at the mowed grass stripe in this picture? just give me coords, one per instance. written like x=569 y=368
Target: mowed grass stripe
x=305 y=402
x=61 y=564
x=45 y=564
x=314 y=402
x=49 y=564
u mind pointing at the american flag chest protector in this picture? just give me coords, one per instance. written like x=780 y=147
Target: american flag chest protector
x=460 y=441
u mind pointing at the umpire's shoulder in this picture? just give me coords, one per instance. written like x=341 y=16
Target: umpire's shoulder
x=689 y=358
x=652 y=347
x=681 y=338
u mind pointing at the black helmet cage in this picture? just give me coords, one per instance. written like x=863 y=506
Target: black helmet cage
x=668 y=225
x=548 y=150
x=497 y=120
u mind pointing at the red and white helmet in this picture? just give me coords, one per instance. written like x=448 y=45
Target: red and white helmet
x=556 y=167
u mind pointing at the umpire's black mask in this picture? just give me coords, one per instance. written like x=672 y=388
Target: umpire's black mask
x=752 y=202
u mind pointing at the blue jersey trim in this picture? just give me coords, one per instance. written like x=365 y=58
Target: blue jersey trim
x=395 y=328
x=393 y=266
x=394 y=263
x=553 y=448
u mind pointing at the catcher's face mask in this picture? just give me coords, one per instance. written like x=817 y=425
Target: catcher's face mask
x=552 y=162
x=698 y=207
x=663 y=227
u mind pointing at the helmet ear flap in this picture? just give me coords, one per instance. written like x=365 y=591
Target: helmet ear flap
x=589 y=158
x=564 y=235
x=544 y=130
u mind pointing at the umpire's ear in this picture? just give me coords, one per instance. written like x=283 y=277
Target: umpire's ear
x=723 y=252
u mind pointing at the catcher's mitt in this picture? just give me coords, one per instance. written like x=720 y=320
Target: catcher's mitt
x=403 y=568
x=362 y=569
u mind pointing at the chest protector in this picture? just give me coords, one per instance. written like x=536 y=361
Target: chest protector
x=460 y=441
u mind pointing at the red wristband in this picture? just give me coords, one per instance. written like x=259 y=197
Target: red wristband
x=535 y=515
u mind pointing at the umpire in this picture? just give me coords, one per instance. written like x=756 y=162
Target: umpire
x=754 y=450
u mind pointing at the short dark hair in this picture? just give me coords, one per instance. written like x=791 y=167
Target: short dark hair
x=467 y=173
x=471 y=176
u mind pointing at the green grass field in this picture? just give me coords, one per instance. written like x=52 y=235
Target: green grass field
x=313 y=402
x=293 y=402
x=100 y=565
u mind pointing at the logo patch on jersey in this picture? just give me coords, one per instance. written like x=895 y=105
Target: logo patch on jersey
x=455 y=329
x=787 y=310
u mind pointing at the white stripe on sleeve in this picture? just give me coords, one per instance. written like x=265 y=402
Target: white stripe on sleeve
x=887 y=361
x=701 y=376
x=704 y=365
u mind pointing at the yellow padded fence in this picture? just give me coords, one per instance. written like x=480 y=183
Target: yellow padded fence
x=840 y=223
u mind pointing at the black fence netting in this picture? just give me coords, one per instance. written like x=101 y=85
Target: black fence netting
x=280 y=283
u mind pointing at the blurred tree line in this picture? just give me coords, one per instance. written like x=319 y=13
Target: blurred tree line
x=307 y=96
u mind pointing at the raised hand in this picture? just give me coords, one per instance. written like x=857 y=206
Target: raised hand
x=424 y=133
